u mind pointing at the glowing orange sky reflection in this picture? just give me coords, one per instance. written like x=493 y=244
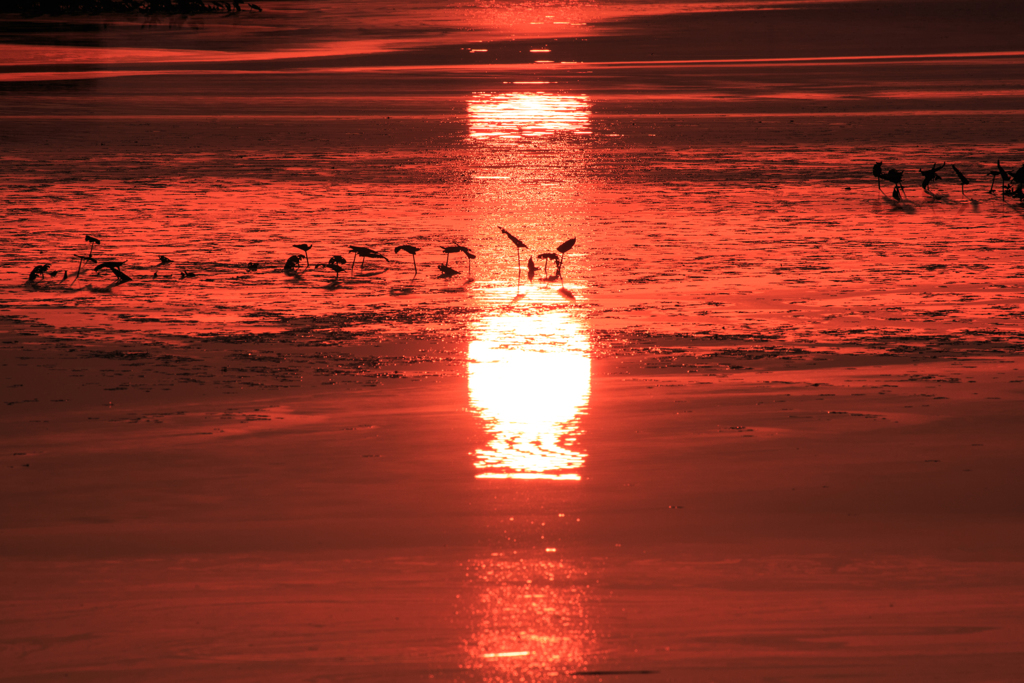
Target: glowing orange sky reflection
x=529 y=378
x=511 y=116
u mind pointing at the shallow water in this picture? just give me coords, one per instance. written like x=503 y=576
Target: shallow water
x=720 y=192
x=758 y=241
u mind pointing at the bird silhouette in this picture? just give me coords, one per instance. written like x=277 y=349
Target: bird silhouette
x=446 y=270
x=252 y=266
x=186 y=273
x=931 y=175
x=448 y=251
x=964 y=180
x=38 y=272
x=470 y=256
x=1018 y=176
x=164 y=261
x=531 y=268
x=519 y=245
x=409 y=249
x=896 y=178
x=365 y=253
x=115 y=268
x=305 y=249
x=548 y=257
x=876 y=171
x=92 y=243
x=562 y=249
x=292 y=264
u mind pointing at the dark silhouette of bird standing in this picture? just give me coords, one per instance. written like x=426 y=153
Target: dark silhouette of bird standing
x=335 y=264
x=562 y=249
x=548 y=257
x=448 y=251
x=932 y=174
x=531 y=268
x=409 y=249
x=896 y=178
x=365 y=253
x=292 y=264
x=92 y=243
x=446 y=270
x=470 y=256
x=519 y=245
x=304 y=248
x=38 y=272
x=115 y=268
x=964 y=180
x=876 y=171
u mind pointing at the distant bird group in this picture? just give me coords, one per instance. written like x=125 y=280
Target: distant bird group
x=295 y=264
x=547 y=257
x=1011 y=184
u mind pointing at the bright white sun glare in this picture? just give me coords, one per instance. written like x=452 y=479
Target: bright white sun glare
x=512 y=116
x=529 y=378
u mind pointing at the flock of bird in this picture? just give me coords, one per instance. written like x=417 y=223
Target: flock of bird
x=295 y=265
x=1011 y=184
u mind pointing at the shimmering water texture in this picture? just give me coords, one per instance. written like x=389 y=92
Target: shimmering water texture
x=675 y=234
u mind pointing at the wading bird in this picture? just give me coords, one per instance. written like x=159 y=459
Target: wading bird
x=876 y=171
x=531 y=268
x=562 y=249
x=38 y=272
x=115 y=268
x=448 y=251
x=964 y=180
x=470 y=256
x=409 y=249
x=164 y=261
x=1000 y=173
x=896 y=178
x=931 y=174
x=304 y=248
x=548 y=257
x=519 y=245
x=186 y=273
x=365 y=253
x=335 y=264
x=446 y=270
x=292 y=264
x=92 y=243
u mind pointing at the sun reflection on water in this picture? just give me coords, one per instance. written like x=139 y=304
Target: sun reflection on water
x=529 y=378
x=511 y=116
x=532 y=619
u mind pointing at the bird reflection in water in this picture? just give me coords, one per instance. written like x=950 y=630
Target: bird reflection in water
x=529 y=378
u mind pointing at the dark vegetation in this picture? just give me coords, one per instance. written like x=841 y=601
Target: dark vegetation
x=66 y=7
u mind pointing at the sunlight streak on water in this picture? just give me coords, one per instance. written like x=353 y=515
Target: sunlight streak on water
x=531 y=619
x=511 y=116
x=529 y=378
